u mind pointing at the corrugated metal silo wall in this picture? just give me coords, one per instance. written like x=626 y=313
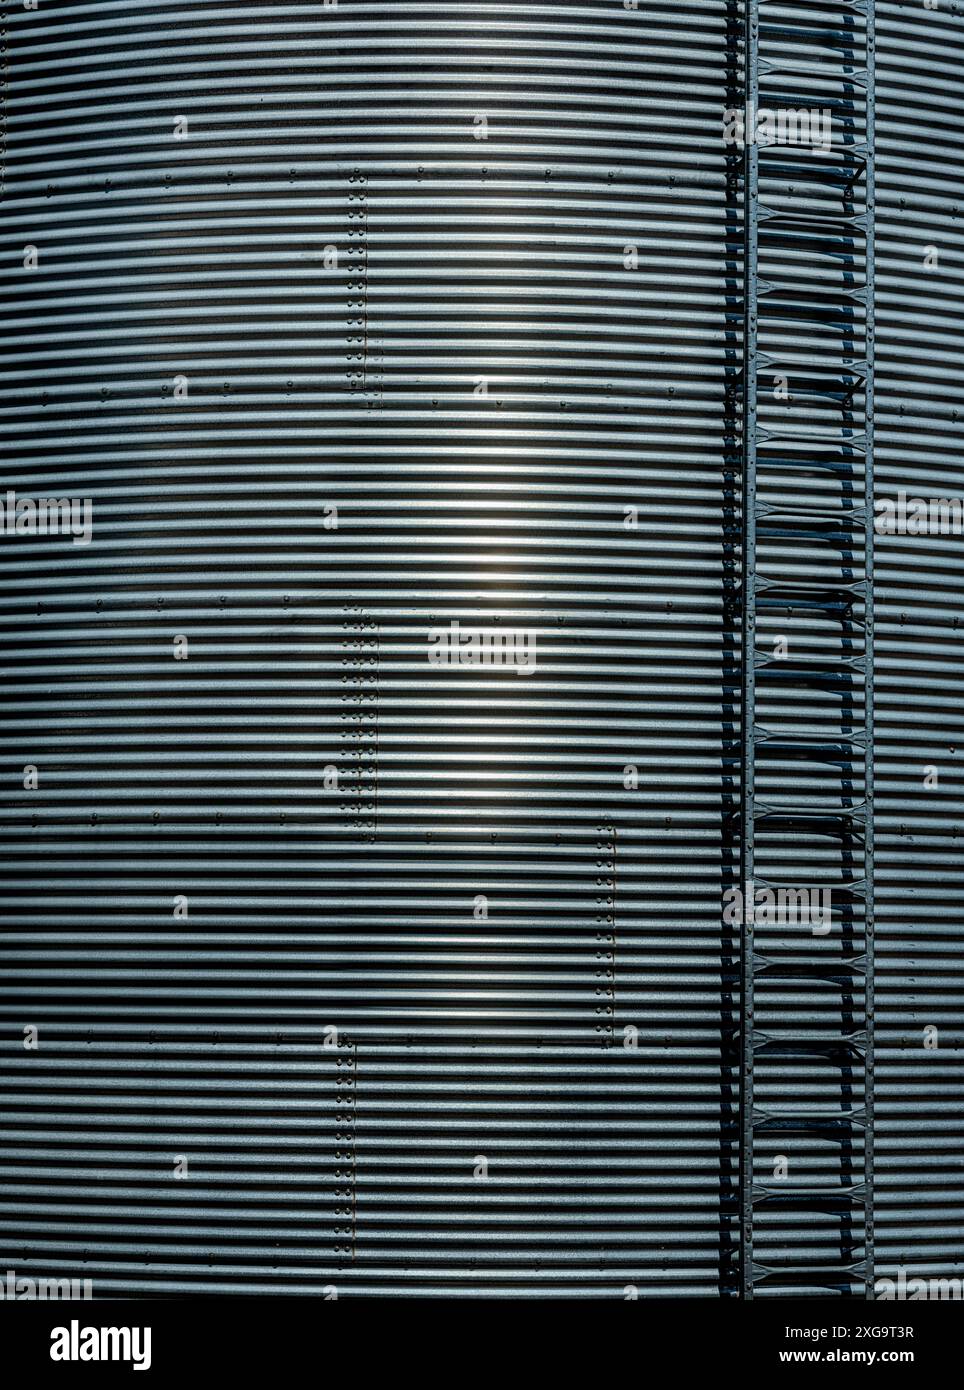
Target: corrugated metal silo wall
x=457 y=272
x=920 y=677
x=355 y=321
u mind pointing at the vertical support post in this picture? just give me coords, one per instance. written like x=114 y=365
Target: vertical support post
x=869 y=334
x=747 y=811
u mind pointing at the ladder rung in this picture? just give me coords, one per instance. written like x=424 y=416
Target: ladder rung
x=800 y=746
x=794 y=586
x=805 y=297
x=765 y=810
x=857 y=76
x=857 y=221
x=826 y=601
x=856 y=443
x=856 y=366
x=770 y=511
x=820 y=1121
x=826 y=1276
x=853 y=1043
x=857 y=886
x=834 y=146
x=830 y=972
x=792 y=673
x=814 y=1197
x=838 y=517
x=859 y=5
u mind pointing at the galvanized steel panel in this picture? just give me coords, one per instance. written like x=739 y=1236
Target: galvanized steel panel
x=481 y=386
x=355 y=321
x=920 y=682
